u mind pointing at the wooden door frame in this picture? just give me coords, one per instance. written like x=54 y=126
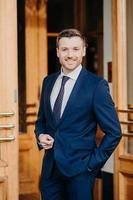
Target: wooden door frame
x=36 y=69
x=8 y=101
x=119 y=72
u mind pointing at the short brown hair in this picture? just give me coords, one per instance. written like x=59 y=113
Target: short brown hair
x=71 y=32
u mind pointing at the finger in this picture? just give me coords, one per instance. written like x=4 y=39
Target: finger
x=46 y=144
x=47 y=147
x=45 y=139
x=50 y=138
x=49 y=142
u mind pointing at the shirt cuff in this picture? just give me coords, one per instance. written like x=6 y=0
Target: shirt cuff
x=89 y=170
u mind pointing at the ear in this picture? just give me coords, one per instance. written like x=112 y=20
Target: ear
x=57 y=52
x=84 y=51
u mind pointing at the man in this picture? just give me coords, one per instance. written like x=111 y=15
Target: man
x=73 y=102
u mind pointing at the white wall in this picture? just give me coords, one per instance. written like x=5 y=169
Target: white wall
x=107 y=38
x=107 y=34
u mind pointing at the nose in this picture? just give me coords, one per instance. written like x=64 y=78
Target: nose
x=69 y=54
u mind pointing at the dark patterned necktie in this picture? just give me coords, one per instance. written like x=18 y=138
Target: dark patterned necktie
x=58 y=102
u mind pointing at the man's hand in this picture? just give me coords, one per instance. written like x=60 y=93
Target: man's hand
x=46 y=141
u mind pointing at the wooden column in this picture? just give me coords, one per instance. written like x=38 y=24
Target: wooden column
x=36 y=47
x=119 y=53
x=42 y=41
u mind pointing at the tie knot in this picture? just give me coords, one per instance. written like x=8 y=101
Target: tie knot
x=64 y=80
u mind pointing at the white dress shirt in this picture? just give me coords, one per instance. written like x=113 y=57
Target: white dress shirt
x=68 y=87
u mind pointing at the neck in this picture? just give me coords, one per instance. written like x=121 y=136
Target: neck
x=66 y=72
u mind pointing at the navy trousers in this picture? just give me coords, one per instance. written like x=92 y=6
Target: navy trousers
x=59 y=187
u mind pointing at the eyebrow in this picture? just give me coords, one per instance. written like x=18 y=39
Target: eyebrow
x=69 y=47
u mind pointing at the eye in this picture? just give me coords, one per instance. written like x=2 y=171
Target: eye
x=76 y=49
x=64 y=49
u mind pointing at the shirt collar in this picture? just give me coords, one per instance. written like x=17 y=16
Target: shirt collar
x=74 y=74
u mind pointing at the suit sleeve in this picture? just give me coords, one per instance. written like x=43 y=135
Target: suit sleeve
x=40 y=122
x=106 y=117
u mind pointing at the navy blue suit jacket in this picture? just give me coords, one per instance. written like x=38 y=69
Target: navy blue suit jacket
x=75 y=147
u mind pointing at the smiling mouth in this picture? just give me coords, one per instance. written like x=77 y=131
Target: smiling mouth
x=70 y=62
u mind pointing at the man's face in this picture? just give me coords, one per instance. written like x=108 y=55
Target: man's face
x=70 y=52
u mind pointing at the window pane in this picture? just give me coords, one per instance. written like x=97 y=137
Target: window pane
x=60 y=15
x=53 y=65
x=21 y=67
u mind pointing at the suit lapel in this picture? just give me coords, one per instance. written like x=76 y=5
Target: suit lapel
x=71 y=100
x=48 y=104
x=74 y=94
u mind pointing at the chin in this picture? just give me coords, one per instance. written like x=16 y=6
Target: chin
x=71 y=67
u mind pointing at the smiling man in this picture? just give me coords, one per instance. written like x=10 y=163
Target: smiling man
x=73 y=102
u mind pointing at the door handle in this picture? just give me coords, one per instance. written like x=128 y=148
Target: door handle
x=7 y=139
x=6 y=114
x=7 y=126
